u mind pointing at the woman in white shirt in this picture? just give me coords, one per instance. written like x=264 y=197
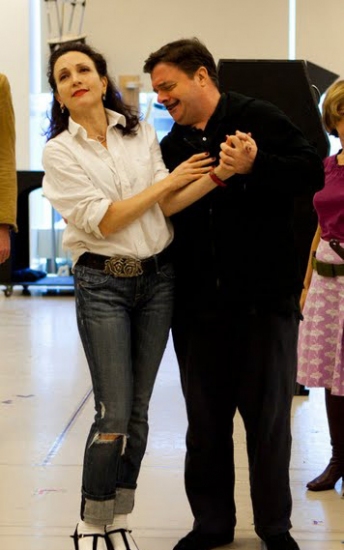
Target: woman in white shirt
x=104 y=174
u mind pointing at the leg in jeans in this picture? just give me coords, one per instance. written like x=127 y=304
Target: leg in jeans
x=201 y=348
x=150 y=329
x=266 y=390
x=124 y=325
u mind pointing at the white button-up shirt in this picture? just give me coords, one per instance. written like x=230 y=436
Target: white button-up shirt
x=82 y=178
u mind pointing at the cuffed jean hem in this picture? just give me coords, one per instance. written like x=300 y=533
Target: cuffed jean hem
x=101 y=512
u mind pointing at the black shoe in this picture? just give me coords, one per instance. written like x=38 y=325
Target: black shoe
x=284 y=541
x=118 y=537
x=99 y=541
x=329 y=477
x=204 y=541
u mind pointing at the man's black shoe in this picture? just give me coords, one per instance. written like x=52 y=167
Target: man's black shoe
x=204 y=541
x=284 y=541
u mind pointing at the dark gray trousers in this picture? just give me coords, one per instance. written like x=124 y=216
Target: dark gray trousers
x=241 y=360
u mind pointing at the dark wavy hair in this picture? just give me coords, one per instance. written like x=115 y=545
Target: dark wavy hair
x=187 y=54
x=58 y=120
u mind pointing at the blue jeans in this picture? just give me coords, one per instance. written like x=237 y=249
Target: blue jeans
x=124 y=325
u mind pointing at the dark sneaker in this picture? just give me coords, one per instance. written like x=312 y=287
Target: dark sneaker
x=284 y=541
x=204 y=541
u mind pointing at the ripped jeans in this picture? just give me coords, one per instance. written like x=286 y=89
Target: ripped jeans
x=124 y=325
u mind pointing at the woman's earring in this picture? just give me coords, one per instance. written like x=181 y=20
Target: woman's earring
x=62 y=108
x=104 y=96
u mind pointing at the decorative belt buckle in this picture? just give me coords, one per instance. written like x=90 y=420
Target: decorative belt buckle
x=123 y=267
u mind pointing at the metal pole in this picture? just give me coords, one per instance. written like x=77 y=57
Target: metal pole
x=82 y=15
x=52 y=263
x=59 y=24
x=73 y=4
x=48 y=17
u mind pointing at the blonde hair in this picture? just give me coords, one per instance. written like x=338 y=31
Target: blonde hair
x=333 y=106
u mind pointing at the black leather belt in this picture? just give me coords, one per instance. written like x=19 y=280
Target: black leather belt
x=124 y=266
x=327 y=270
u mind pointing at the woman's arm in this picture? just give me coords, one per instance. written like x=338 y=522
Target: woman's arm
x=87 y=200
x=237 y=156
x=180 y=199
x=309 y=270
x=122 y=213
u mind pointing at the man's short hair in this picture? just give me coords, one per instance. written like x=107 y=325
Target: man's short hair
x=188 y=54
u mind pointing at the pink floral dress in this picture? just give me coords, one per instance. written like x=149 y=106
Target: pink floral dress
x=320 y=346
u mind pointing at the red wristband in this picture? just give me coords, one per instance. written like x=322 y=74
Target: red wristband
x=216 y=179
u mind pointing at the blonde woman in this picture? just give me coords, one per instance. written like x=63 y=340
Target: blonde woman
x=321 y=336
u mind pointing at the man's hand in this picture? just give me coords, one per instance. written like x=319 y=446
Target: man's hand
x=238 y=153
x=5 y=243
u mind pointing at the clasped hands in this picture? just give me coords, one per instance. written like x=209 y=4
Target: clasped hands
x=237 y=155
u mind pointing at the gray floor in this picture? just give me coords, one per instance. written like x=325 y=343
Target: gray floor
x=46 y=408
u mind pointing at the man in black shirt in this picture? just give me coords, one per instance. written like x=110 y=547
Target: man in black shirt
x=238 y=284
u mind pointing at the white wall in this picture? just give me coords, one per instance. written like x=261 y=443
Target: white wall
x=126 y=31
x=320 y=33
x=14 y=62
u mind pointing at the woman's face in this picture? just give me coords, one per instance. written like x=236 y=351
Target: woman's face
x=340 y=124
x=78 y=84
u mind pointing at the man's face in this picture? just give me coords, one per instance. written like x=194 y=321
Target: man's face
x=182 y=95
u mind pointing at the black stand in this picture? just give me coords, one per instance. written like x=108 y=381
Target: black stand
x=295 y=87
x=19 y=260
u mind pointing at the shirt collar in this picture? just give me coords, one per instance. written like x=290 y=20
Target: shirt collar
x=221 y=109
x=113 y=117
x=218 y=115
